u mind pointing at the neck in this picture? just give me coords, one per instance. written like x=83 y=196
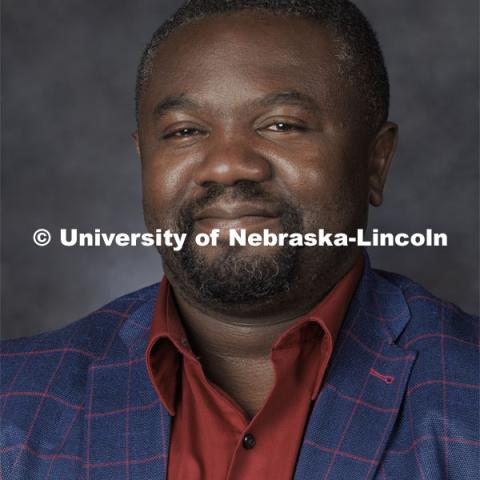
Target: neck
x=228 y=336
x=234 y=345
x=243 y=333
x=250 y=330
x=234 y=352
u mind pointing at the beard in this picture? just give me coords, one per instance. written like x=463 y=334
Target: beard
x=235 y=276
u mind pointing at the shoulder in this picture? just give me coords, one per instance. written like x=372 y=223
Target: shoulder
x=430 y=315
x=29 y=359
x=47 y=382
x=441 y=390
x=444 y=338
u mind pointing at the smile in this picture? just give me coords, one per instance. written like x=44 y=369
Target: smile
x=251 y=217
x=248 y=222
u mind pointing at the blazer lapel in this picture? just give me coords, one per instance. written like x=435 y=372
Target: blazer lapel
x=126 y=427
x=363 y=389
x=349 y=426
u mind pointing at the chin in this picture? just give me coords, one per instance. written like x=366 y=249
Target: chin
x=233 y=275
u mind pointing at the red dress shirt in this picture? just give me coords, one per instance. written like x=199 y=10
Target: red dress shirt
x=212 y=438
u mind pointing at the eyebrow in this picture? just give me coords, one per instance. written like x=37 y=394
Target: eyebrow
x=173 y=103
x=291 y=97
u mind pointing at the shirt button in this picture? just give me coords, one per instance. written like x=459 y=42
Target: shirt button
x=249 y=441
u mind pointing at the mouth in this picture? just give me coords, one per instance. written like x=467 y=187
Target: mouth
x=251 y=217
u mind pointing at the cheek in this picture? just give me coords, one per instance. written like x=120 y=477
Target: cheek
x=313 y=175
x=331 y=188
x=165 y=183
x=166 y=174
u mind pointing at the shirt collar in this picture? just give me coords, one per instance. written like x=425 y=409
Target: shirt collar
x=168 y=340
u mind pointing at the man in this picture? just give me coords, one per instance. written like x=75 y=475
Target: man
x=255 y=362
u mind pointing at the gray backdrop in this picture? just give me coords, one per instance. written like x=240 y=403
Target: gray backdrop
x=68 y=160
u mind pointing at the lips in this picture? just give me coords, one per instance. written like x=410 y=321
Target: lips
x=235 y=211
x=236 y=215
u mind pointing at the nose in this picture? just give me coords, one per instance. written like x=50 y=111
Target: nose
x=229 y=162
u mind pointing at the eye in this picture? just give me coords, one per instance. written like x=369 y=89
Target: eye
x=285 y=127
x=185 y=132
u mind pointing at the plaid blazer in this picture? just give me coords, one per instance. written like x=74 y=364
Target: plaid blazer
x=399 y=401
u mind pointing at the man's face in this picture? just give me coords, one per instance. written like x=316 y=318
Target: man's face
x=248 y=123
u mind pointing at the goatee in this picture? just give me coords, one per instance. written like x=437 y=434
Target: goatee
x=235 y=276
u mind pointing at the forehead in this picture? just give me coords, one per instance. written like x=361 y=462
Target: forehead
x=247 y=53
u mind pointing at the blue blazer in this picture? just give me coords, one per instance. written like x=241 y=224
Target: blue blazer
x=399 y=401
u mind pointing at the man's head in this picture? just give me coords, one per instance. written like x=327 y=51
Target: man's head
x=358 y=49
x=257 y=114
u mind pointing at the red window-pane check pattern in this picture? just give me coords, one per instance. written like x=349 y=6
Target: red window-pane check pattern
x=77 y=403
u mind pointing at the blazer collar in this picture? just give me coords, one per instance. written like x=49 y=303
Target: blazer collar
x=352 y=417
x=364 y=386
x=124 y=418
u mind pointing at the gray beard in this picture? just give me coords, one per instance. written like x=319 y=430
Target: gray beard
x=234 y=277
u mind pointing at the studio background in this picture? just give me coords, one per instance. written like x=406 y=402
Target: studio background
x=68 y=74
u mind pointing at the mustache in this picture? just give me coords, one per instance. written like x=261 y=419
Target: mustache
x=245 y=190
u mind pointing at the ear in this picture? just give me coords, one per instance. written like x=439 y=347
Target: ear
x=381 y=153
x=137 y=143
